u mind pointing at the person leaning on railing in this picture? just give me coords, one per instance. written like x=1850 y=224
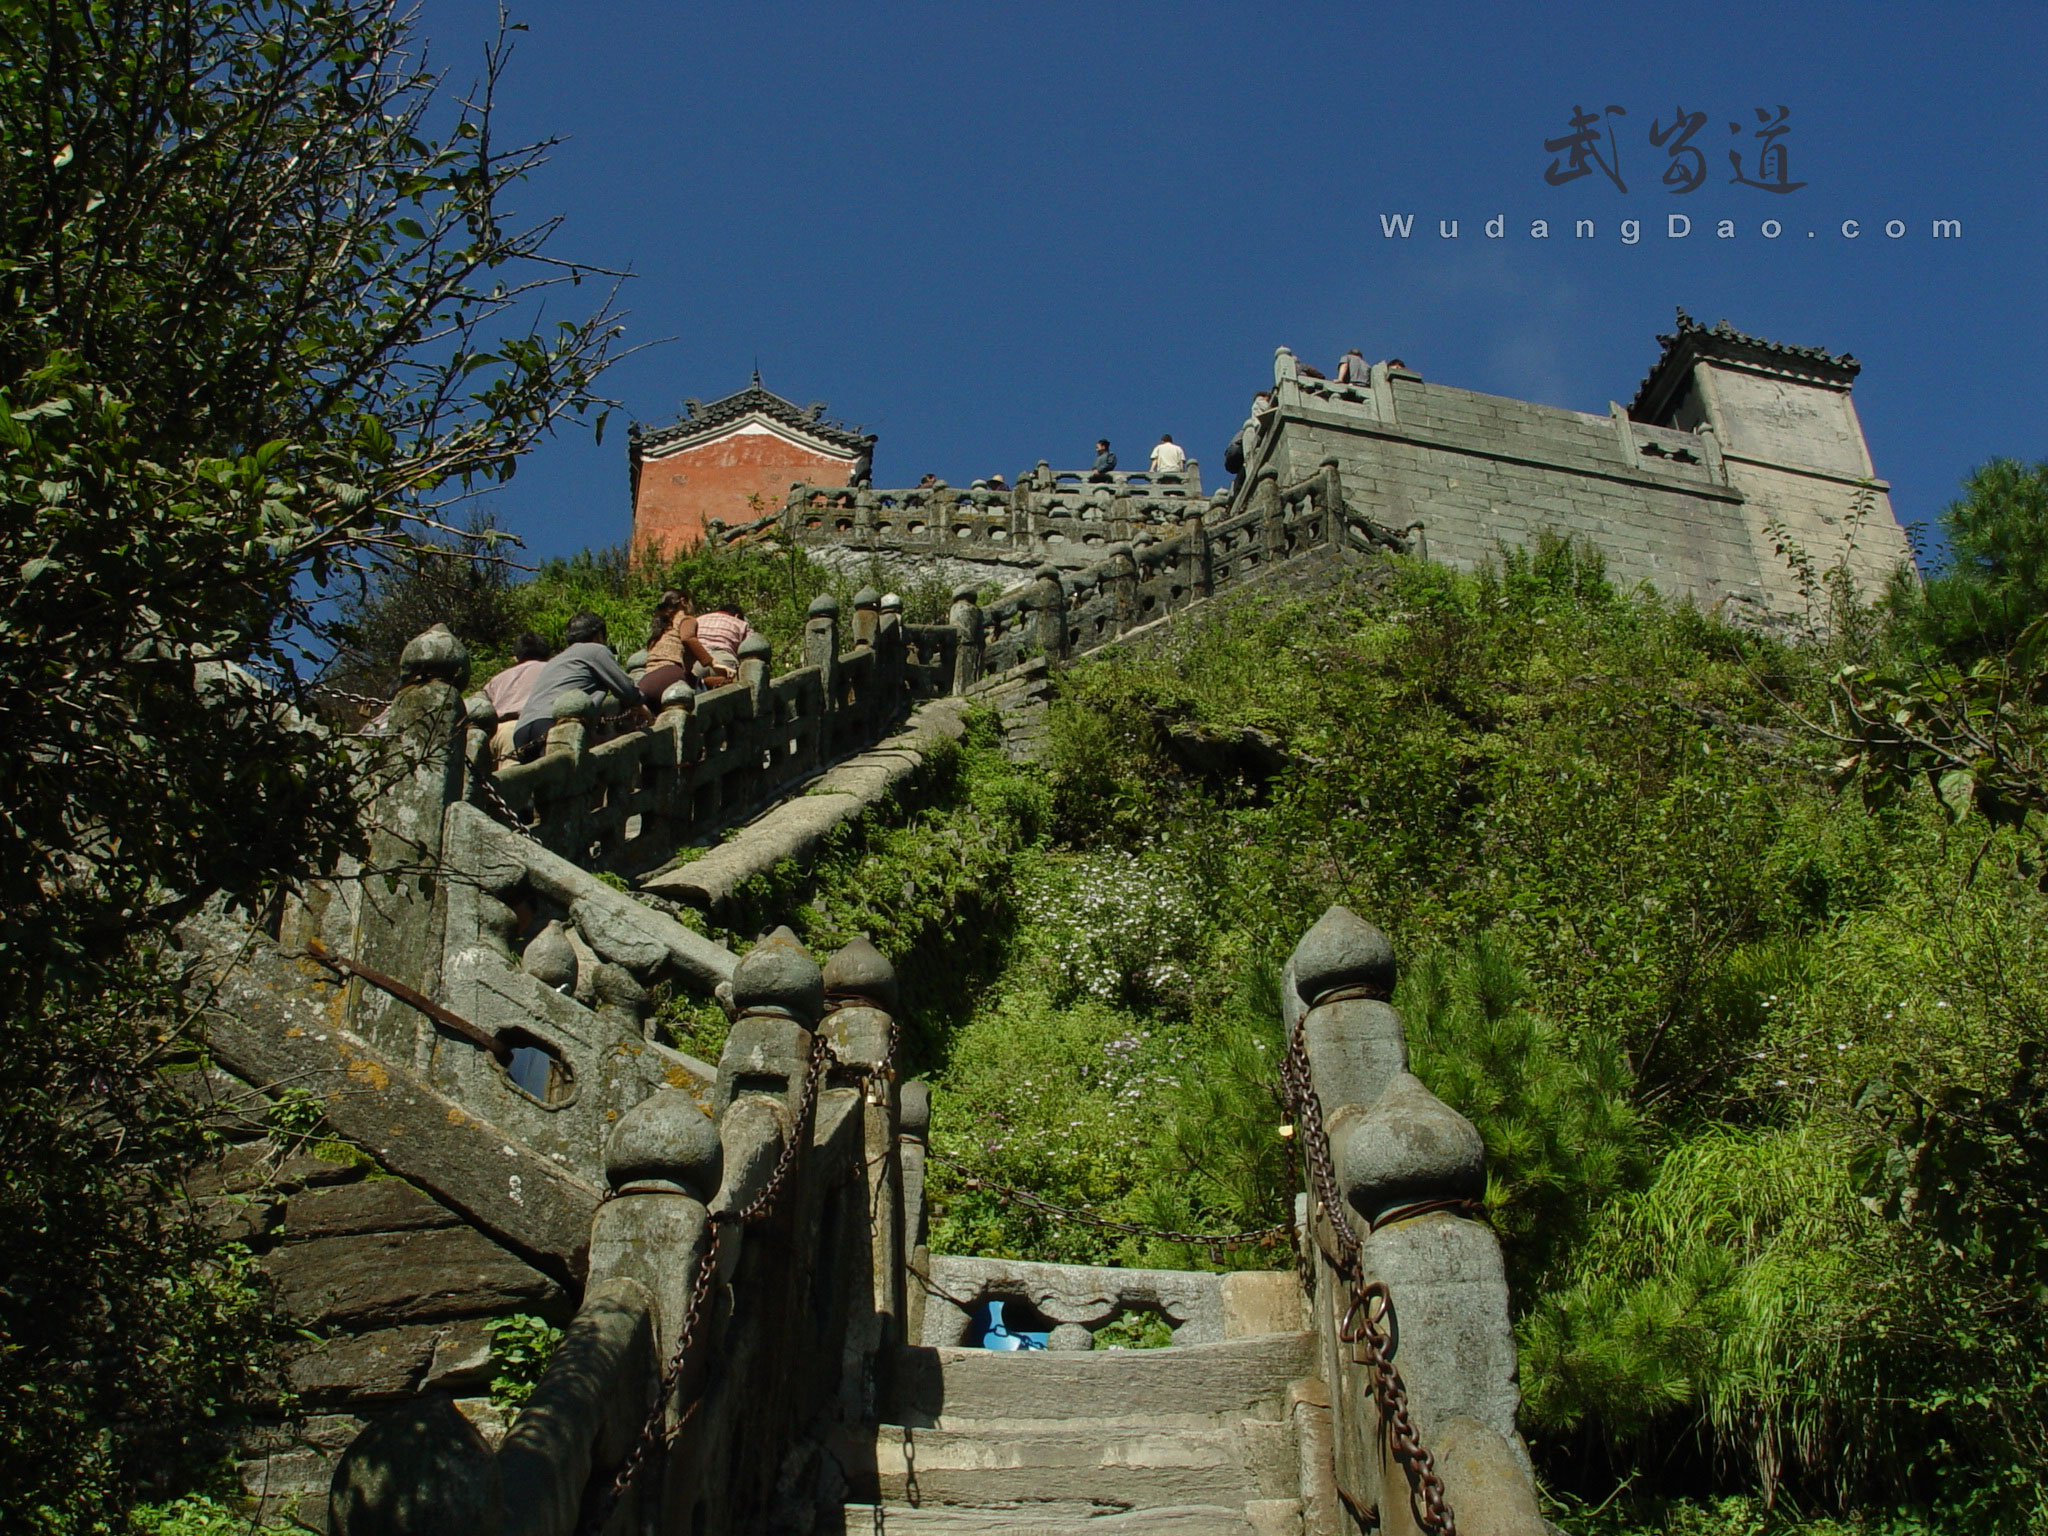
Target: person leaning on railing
x=723 y=631
x=672 y=647
x=509 y=690
x=586 y=665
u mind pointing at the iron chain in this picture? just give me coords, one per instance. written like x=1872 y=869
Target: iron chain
x=655 y=1432
x=1371 y=1305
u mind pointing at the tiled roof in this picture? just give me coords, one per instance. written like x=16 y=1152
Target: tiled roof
x=699 y=420
x=1692 y=340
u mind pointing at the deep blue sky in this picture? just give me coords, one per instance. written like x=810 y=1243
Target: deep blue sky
x=992 y=233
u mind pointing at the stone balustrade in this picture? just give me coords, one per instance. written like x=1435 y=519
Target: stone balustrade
x=628 y=804
x=1411 y=1173
x=1066 y=516
x=1076 y=1301
x=754 y=1242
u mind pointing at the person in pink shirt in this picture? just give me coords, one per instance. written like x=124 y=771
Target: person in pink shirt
x=723 y=630
x=509 y=689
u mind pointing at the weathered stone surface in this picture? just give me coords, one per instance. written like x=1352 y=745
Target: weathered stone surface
x=368 y=1368
x=654 y=1239
x=594 y=1389
x=915 y=1112
x=405 y=1277
x=1191 y=1303
x=369 y=1205
x=252 y=1166
x=1409 y=1146
x=1257 y=1301
x=1486 y=1480
x=387 y=1364
x=417 y=1470
x=778 y=975
x=273 y=1020
x=764 y=1053
x=550 y=959
x=1355 y=1049
x=861 y=971
x=666 y=1136
x=1457 y=1347
x=1342 y=950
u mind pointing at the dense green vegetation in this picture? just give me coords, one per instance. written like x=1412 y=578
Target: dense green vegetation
x=1758 y=1062
x=1674 y=974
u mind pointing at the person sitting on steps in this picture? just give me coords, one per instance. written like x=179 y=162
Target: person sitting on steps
x=585 y=665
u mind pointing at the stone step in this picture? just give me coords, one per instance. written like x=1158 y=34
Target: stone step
x=1220 y=1381
x=1067 y=1518
x=1134 y=1466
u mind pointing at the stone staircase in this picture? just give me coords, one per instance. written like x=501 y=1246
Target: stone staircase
x=1197 y=1440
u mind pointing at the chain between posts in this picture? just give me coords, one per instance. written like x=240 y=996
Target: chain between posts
x=654 y=1432
x=1367 y=1317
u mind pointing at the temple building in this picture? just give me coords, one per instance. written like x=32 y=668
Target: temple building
x=735 y=459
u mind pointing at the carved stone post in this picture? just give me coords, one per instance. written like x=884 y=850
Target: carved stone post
x=385 y=915
x=890 y=647
x=420 y=1470
x=914 y=1119
x=965 y=616
x=1407 y=1167
x=867 y=616
x=821 y=650
x=754 y=656
x=1120 y=580
x=1049 y=600
x=860 y=1029
x=1267 y=505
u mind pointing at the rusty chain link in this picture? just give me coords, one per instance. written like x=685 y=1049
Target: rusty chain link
x=1371 y=1308
x=655 y=1433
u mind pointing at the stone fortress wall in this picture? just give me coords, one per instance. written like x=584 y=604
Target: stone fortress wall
x=1735 y=453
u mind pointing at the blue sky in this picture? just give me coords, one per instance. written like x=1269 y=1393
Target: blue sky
x=993 y=233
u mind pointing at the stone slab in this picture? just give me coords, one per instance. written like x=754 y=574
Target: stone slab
x=276 y=1020
x=406 y=1277
x=369 y=1205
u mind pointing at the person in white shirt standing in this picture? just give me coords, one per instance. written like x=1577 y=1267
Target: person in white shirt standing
x=1169 y=458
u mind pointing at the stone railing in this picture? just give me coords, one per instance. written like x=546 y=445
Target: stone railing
x=1066 y=516
x=749 y=1260
x=1411 y=1173
x=1075 y=1301
x=628 y=804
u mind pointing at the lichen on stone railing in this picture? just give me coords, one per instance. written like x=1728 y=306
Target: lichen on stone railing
x=744 y=1284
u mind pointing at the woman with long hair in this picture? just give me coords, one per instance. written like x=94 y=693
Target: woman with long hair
x=671 y=646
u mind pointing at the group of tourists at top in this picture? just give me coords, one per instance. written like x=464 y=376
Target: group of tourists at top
x=700 y=650
x=1169 y=459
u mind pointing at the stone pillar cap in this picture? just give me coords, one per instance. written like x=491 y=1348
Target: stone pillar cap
x=1342 y=950
x=779 y=975
x=861 y=970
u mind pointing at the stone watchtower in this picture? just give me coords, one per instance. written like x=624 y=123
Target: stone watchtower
x=1789 y=440
x=735 y=459
x=1732 y=447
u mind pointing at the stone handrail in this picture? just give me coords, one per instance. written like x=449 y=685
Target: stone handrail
x=1061 y=515
x=768 y=1342
x=628 y=804
x=1408 y=1168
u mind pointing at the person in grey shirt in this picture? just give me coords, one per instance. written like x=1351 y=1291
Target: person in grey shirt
x=585 y=664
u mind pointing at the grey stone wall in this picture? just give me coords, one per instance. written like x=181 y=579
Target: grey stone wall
x=1696 y=513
